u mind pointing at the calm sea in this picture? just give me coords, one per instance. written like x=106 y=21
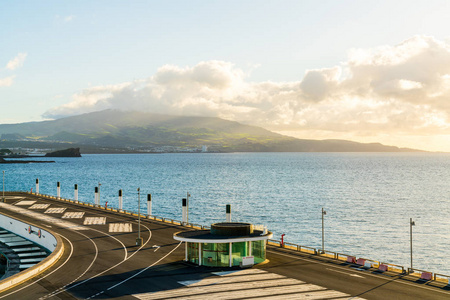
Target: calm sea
x=369 y=197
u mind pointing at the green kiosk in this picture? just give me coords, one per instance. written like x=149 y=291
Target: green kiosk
x=225 y=245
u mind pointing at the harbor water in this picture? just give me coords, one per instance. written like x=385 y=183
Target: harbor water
x=369 y=198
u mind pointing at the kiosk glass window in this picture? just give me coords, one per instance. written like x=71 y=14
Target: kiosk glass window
x=215 y=255
x=193 y=252
x=259 y=251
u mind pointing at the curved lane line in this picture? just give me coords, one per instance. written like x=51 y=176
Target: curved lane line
x=67 y=259
x=103 y=272
x=87 y=269
x=136 y=274
x=368 y=274
x=113 y=237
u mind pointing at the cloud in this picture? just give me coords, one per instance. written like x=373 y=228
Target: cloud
x=8 y=81
x=403 y=88
x=68 y=18
x=17 y=61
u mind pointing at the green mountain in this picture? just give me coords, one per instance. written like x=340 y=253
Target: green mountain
x=118 y=131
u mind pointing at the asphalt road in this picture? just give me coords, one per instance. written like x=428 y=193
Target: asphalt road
x=100 y=264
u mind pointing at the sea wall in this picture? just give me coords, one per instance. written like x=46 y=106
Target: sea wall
x=30 y=232
x=38 y=235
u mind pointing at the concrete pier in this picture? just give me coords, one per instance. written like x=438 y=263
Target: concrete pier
x=100 y=260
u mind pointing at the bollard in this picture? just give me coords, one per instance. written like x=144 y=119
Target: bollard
x=76 y=193
x=184 y=212
x=96 y=196
x=149 y=205
x=58 y=190
x=228 y=213
x=37 y=186
x=282 y=240
x=120 y=200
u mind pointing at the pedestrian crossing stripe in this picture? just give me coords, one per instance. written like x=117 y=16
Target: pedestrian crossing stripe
x=120 y=227
x=248 y=284
x=43 y=218
x=26 y=202
x=94 y=221
x=55 y=210
x=39 y=206
x=73 y=215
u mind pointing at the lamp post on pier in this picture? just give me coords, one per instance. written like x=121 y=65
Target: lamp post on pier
x=187 y=207
x=139 y=239
x=3 y=199
x=99 y=185
x=411 y=224
x=323 y=231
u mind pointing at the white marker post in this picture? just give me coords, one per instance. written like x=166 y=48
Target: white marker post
x=37 y=186
x=184 y=212
x=228 y=213
x=58 y=190
x=75 y=193
x=149 y=205
x=96 y=196
x=120 y=200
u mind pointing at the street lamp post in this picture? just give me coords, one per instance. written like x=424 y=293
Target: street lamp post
x=187 y=207
x=411 y=224
x=323 y=231
x=99 y=185
x=3 y=199
x=139 y=239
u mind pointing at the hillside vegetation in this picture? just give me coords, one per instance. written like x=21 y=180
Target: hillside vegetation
x=138 y=131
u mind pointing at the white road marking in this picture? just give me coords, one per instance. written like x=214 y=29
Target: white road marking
x=107 y=270
x=156 y=247
x=94 y=221
x=41 y=217
x=26 y=202
x=81 y=275
x=346 y=273
x=55 y=210
x=37 y=280
x=145 y=269
x=39 y=206
x=367 y=274
x=245 y=284
x=120 y=227
x=73 y=215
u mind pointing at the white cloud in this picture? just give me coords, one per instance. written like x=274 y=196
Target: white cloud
x=402 y=89
x=68 y=18
x=8 y=81
x=17 y=61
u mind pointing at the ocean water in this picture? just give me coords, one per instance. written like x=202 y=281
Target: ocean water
x=369 y=197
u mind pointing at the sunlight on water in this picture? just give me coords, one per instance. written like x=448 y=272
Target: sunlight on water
x=369 y=198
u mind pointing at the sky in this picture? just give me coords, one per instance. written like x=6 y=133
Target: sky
x=366 y=71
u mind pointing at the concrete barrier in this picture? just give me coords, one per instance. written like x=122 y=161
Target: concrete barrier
x=383 y=268
x=351 y=259
x=427 y=276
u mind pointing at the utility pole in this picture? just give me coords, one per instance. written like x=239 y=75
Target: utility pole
x=411 y=224
x=3 y=199
x=187 y=207
x=323 y=231
x=99 y=185
x=139 y=239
